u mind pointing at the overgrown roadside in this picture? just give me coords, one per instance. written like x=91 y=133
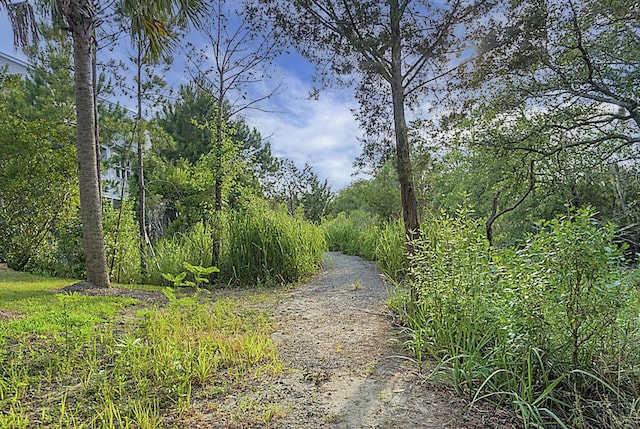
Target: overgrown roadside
x=322 y=354
x=344 y=367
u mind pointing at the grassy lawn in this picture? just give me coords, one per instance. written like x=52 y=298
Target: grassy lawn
x=75 y=361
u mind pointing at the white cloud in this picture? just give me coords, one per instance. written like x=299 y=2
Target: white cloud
x=322 y=132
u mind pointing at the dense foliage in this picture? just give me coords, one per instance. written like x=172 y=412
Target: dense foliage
x=31 y=205
x=41 y=228
x=549 y=329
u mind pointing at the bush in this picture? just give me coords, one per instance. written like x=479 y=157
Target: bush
x=550 y=329
x=61 y=254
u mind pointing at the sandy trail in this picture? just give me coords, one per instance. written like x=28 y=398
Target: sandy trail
x=346 y=368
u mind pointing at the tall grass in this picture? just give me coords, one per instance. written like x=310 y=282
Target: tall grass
x=550 y=329
x=258 y=246
x=391 y=250
x=353 y=234
x=269 y=246
x=169 y=254
x=122 y=243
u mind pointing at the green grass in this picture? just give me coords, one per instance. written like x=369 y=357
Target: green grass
x=41 y=311
x=105 y=362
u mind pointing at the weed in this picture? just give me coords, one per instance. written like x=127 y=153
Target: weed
x=101 y=371
x=545 y=329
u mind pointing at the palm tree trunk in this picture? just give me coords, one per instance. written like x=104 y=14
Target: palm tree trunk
x=80 y=15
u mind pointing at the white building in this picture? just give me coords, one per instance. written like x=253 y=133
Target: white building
x=14 y=65
x=116 y=167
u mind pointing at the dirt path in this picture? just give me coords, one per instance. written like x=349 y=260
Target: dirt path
x=344 y=364
x=346 y=369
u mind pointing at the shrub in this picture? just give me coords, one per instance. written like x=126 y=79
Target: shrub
x=61 y=254
x=550 y=328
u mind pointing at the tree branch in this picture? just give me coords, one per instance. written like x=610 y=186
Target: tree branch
x=494 y=210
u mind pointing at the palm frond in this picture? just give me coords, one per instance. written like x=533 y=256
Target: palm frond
x=23 y=22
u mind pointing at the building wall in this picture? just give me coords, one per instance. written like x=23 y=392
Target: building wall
x=15 y=65
x=115 y=172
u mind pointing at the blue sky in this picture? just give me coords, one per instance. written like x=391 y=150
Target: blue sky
x=321 y=132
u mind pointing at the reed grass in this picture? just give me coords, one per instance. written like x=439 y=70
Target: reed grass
x=170 y=254
x=258 y=246
x=267 y=246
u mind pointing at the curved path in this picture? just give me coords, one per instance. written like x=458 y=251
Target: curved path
x=346 y=368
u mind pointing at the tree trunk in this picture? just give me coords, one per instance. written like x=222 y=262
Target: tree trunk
x=80 y=15
x=405 y=174
x=215 y=229
x=96 y=119
x=141 y=186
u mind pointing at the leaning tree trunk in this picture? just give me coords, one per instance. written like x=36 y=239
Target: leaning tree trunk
x=405 y=174
x=80 y=16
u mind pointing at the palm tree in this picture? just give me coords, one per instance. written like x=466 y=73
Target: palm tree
x=81 y=20
x=151 y=33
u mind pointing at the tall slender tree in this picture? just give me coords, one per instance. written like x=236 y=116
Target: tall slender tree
x=151 y=45
x=395 y=49
x=235 y=57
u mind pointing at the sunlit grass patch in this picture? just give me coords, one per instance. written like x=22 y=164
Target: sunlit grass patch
x=83 y=361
